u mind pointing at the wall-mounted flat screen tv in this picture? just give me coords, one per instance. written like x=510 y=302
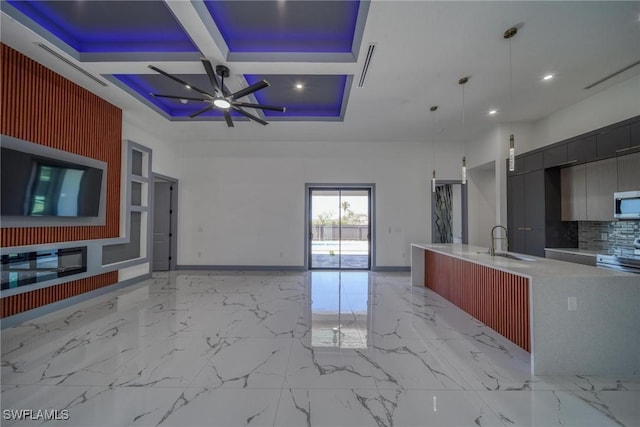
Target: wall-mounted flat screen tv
x=38 y=186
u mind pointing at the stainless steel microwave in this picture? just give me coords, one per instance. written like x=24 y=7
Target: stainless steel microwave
x=626 y=205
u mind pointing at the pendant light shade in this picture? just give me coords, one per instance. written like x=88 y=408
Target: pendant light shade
x=464 y=170
x=512 y=154
x=433 y=182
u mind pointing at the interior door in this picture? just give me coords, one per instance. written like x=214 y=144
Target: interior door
x=162 y=226
x=339 y=228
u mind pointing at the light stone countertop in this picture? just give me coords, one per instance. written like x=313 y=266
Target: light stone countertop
x=536 y=268
x=577 y=251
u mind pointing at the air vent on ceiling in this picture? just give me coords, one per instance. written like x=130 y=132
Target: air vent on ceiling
x=71 y=64
x=610 y=76
x=367 y=63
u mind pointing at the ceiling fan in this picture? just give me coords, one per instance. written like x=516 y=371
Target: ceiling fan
x=220 y=98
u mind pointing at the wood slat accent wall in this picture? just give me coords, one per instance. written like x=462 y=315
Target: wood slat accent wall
x=498 y=299
x=43 y=107
x=28 y=300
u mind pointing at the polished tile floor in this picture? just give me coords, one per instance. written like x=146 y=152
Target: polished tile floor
x=287 y=349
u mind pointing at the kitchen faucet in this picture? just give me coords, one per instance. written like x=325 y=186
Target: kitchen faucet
x=492 y=250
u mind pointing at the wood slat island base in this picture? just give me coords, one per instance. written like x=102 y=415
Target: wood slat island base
x=573 y=319
x=498 y=299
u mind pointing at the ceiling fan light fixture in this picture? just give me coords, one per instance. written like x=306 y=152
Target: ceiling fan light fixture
x=221 y=103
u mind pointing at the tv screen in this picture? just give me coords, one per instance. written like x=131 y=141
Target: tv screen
x=39 y=186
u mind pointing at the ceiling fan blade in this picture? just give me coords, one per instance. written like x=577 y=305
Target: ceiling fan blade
x=204 y=110
x=182 y=82
x=249 y=115
x=212 y=75
x=227 y=117
x=260 y=106
x=157 y=95
x=247 y=90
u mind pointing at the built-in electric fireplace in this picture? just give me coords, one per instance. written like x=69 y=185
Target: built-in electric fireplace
x=26 y=268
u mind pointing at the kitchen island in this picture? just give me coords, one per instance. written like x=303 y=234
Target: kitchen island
x=573 y=319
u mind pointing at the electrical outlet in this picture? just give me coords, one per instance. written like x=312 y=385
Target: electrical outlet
x=572 y=303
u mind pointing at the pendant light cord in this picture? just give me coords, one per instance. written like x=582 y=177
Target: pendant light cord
x=510 y=90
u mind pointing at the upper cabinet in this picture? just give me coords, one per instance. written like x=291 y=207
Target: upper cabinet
x=602 y=182
x=581 y=150
x=574 y=193
x=629 y=172
x=613 y=141
x=555 y=156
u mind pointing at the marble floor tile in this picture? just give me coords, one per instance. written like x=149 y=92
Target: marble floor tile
x=245 y=363
x=288 y=349
x=90 y=406
x=382 y=408
x=564 y=408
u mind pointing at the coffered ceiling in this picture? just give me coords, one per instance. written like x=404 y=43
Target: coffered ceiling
x=313 y=54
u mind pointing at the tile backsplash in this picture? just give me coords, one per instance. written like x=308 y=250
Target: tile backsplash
x=607 y=236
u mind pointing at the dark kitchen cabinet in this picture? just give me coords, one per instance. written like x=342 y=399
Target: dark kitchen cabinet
x=581 y=150
x=533 y=162
x=525 y=212
x=555 y=156
x=515 y=201
x=635 y=134
x=535 y=242
x=534 y=212
x=612 y=141
x=534 y=204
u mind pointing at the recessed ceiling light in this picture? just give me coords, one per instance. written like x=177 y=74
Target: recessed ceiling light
x=299 y=86
x=548 y=77
x=187 y=86
x=492 y=112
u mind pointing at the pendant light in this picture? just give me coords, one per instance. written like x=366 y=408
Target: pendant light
x=433 y=127
x=509 y=34
x=462 y=82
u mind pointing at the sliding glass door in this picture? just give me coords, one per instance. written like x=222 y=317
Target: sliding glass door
x=340 y=228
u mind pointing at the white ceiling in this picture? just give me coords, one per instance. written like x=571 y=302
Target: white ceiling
x=423 y=48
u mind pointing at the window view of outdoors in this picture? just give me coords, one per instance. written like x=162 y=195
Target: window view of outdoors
x=340 y=229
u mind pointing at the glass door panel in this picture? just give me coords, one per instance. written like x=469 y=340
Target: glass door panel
x=339 y=228
x=325 y=229
x=354 y=227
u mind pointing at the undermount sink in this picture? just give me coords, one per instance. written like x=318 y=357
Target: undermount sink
x=510 y=256
x=516 y=257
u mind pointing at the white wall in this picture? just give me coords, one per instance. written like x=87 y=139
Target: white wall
x=243 y=203
x=617 y=103
x=482 y=203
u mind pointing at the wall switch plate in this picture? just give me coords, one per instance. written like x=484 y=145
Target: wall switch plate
x=572 y=303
